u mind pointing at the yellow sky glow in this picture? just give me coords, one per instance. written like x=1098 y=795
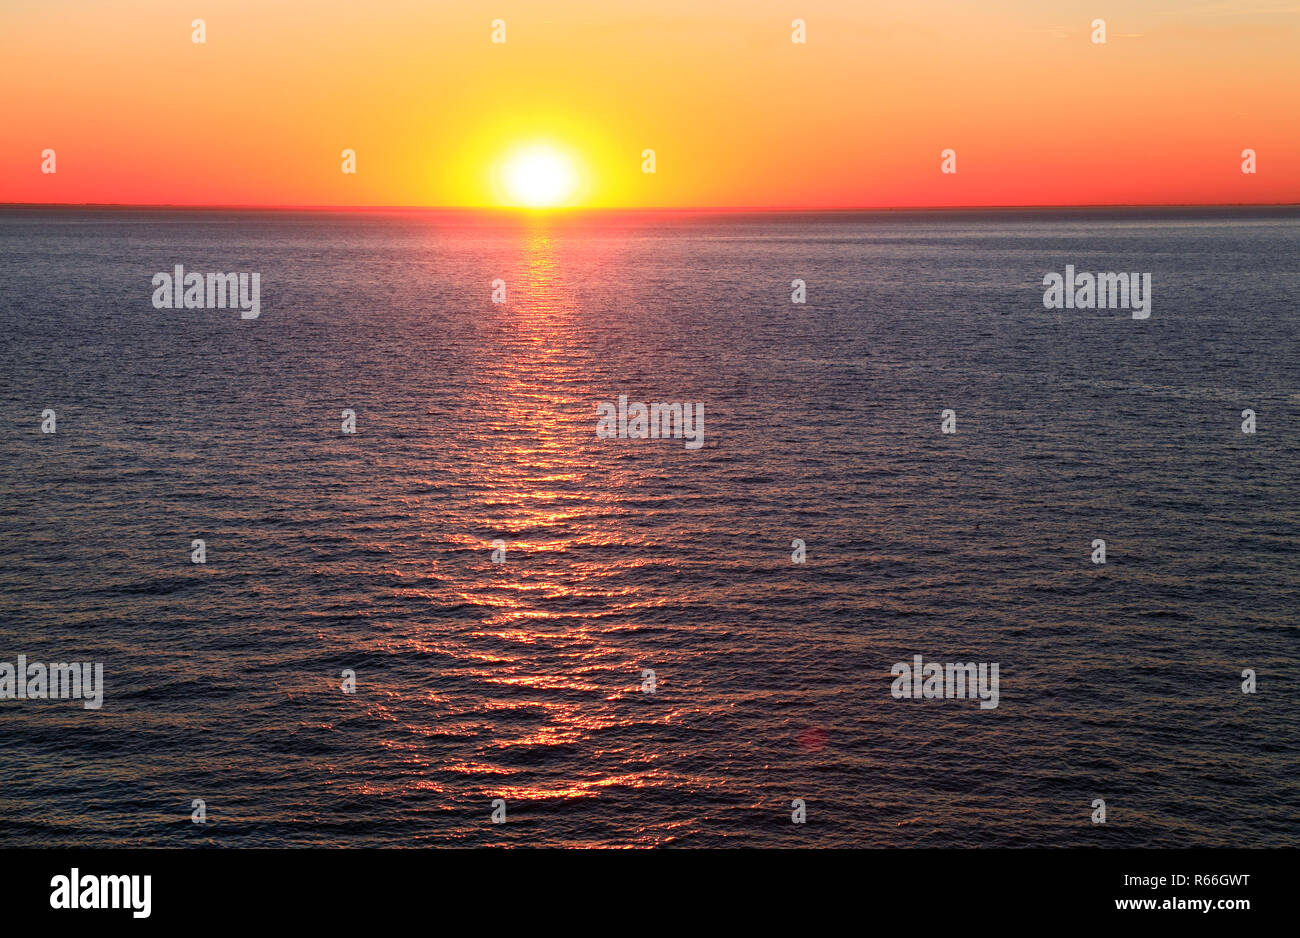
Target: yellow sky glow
x=737 y=113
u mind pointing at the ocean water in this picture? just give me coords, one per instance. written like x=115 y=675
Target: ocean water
x=522 y=680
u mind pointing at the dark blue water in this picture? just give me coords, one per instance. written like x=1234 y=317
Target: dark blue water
x=522 y=680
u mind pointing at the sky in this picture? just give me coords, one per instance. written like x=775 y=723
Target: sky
x=736 y=113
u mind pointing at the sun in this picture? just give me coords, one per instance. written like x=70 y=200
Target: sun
x=540 y=176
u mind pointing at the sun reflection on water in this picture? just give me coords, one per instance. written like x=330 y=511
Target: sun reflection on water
x=546 y=675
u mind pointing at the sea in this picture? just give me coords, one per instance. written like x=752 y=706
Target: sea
x=475 y=621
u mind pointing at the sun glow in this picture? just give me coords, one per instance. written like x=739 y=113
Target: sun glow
x=540 y=176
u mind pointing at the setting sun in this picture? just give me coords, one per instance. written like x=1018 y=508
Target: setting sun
x=540 y=176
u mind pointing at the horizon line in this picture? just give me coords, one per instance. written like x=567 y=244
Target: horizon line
x=613 y=209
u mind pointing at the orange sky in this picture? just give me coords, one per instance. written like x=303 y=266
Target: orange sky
x=737 y=114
